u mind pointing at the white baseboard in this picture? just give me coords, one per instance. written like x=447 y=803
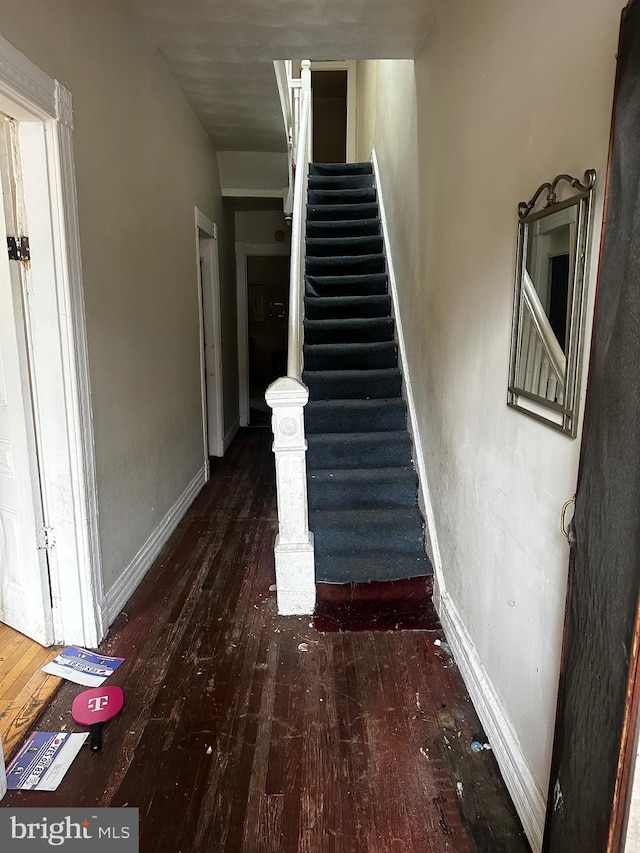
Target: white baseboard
x=230 y=434
x=523 y=788
x=126 y=584
x=424 y=493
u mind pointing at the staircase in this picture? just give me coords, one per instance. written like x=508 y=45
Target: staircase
x=360 y=479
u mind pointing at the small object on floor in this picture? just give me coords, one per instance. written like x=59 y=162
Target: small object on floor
x=273 y=587
x=82 y=666
x=42 y=761
x=94 y=708
x=476 y=746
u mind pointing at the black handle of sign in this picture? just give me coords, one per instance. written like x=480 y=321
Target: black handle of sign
x=95 y=731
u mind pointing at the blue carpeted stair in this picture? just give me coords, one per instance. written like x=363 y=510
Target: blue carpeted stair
x=361 y=482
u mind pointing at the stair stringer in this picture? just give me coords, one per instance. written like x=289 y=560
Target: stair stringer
x=424 y=494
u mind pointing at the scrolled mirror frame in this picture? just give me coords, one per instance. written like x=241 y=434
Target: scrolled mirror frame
x=560 y=416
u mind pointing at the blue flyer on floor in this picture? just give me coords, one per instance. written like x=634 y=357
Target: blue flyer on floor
x=43 y=760
x=82 y=666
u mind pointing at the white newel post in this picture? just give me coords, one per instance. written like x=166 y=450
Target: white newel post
x=295 y=572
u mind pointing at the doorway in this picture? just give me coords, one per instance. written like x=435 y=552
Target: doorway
x=333 y=87
x=210 y=337
x=267 y=318
x=25 y=591
x=49 y=542
x=262 y=355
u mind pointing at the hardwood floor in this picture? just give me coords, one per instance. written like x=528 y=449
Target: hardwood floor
x=246 y=732
x=24 y=689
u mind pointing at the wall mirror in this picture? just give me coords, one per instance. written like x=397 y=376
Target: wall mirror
x=548 y=313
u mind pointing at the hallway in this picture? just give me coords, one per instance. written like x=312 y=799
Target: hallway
x=245 y=731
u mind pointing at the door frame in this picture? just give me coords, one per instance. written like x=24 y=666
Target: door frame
x=243 y=251
x=210 y=327
x=59 y=359
x=350 y=66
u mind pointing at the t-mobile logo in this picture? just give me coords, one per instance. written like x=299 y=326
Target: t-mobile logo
x=98 y=703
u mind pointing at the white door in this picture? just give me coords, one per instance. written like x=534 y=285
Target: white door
x=212 y=335
x=25 y=602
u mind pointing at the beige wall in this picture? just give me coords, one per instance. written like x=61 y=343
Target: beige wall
x=142 y=162
x=500 y=100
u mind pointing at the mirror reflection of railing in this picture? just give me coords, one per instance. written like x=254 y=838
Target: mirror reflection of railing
x=542 y=362
x=548 y=318
x=287 y=396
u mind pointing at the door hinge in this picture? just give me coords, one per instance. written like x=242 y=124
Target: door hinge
x=18 y=248
x=46 y=539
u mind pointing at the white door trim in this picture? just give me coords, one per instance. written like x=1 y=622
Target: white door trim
x=59 y=357
x=215 y=446
x=350 y=66
x=243 y=251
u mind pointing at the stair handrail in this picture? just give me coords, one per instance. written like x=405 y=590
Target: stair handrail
x=288 y=90
x=545 y=332
x=287 y=396
x=296 y=277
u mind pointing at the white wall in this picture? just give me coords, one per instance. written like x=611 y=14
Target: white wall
x=253 y=173
x=501 y=99
x=142 y=162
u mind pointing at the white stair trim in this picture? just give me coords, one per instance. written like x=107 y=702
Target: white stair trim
x=424 y=492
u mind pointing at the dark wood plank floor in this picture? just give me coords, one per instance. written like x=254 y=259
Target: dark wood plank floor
x=246 y=732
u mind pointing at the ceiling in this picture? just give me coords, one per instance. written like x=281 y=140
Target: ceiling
x=221 y=52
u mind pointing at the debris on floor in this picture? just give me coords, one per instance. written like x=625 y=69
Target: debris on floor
x=42 y=761
x=82 y=666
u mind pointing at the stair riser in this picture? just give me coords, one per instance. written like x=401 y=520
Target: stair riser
x=359 y=265
x=331 y=385
x=323 y=212
x=340 y=182
x=389 y=416
x=374 y=356
x=327 y=495
x=329 y=247
x=345 y=455
x=398 y=538
x=339 y=197
x=344 y=228
x=335 y=309
x=347 y=285
x=383 y=331
x=340 y=169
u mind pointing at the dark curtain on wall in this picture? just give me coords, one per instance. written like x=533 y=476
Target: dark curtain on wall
x=605 y=560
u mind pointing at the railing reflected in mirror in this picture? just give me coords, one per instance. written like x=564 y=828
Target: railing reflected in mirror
x=548 y=315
